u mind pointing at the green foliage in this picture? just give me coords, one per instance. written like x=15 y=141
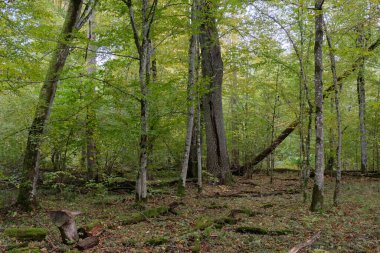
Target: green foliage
x=59 y=180
x=156 y=241
x=203 y=222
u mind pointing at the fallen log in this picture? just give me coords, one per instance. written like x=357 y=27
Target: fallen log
x=150 y=213
x=309 y=242
x=261 y=231
x=263 y=154
x=252 y=194
x=87 y=243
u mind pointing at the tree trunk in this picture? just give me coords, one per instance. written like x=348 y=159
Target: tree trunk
x=273 y=129
x=338 y=120
x=235 y=163
x=317 y=198
x=192 y=165
x=190 y=97
x=361 y=101
x=28 y=188
x=144 y=50
x=199 y=145
x=212 y=71
x=91 y=116
x=331 y=150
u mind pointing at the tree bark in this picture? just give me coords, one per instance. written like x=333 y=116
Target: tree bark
x=338 y=120
x=317 y=197
x=212 y=71
x=144 y=51
x=273 y=129
x=190 y=96
x=361 y=102
x=28 y=188
x=235 y=163
x=91 y=115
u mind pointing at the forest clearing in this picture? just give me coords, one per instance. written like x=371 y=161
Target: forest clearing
x=190 y=126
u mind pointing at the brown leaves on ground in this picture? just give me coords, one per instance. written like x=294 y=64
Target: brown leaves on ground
x=351 y=227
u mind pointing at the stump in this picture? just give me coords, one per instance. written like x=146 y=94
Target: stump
x=65 y=221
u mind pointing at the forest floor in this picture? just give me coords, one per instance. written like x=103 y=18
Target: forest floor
x=210 y=222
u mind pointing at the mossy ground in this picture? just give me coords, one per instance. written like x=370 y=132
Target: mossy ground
x=351 y=227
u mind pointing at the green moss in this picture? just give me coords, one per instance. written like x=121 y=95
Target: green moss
x=25 y=250
x=196 y=246
x=142 y=216
x=181 y=191
x=203 y=222
x=219 y=223
x=26 y=234
x=156 y=241
x=129 y=242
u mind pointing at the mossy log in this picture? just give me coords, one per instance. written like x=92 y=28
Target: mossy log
x=25 y=250
x=221 y=222
x=261 y=231
x=26 y=234
x=143 y=216
x=235 y=212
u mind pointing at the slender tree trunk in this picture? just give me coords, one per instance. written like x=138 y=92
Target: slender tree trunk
x=199 y=145
x=331 y=150
x=338 y=119
x=377 y=151
x=190 y=97
x=212 y=71
x=361 y=101
x=234 y=124
x=317 y=198
x=143 y=48
x=91 y=115
x=276 y=100
x=30 y=170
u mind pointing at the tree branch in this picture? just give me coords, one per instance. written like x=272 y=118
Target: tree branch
x=133 y=24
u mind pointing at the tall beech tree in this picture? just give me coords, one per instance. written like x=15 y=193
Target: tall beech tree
x=91 y=114
x=27 y=196
x=317 y=197
x=142 y=43
x=338 y=117
x=361 y=44
x=212 y=72
x=190 y=93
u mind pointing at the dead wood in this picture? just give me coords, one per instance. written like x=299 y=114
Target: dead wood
x=88 y=243
x=247 y=194
x=65 y=221
x=305 y=244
